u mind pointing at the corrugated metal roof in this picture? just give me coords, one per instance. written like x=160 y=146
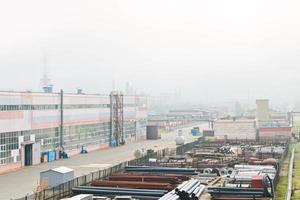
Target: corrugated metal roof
x=63 y=170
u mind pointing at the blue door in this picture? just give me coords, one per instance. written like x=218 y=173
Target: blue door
x=28 y=149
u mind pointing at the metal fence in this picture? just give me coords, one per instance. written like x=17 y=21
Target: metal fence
x=65 y=189
x=279 y=167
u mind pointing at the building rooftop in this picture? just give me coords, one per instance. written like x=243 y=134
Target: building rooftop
x=62 y=170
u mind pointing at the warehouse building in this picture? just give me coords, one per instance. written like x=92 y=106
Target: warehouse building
x=265 y=126
x=41 y=127
x=235 y=130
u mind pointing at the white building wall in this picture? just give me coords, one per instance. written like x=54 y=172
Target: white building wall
x=36 y=153
x=86 y=99
x=262 y=110
x=240 y=129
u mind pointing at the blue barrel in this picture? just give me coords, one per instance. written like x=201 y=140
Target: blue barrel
x=194 y=132
x=51 y=156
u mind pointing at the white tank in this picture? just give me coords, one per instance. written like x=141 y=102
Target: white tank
x=179 y=133
x=140 y=153
x=179 y=139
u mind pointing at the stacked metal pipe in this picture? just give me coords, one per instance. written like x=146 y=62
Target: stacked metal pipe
x=230 y=192
x=244 y=173
x=165 y=170
x=240 y=192
x=145 y=178
x=114 y=191
x=132 y=184
x=182 y=177
x=192 y=187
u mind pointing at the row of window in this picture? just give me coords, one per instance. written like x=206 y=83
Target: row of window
x=83 y=135
x=8 y=160
x=55 y=106
x=73 y=136
x=28 y=107
x=10 y=141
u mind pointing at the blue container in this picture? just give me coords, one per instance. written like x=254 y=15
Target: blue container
x=194 y=132
x=51 y=156
x=113 y=143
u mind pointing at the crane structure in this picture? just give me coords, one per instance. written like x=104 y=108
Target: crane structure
x=116 y=119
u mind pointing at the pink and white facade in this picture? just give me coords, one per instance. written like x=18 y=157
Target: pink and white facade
x=31 y=122
x=266 y=133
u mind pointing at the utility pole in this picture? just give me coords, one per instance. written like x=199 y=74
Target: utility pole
x=61 y=126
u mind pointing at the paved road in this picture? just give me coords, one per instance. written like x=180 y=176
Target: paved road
x=18 y=184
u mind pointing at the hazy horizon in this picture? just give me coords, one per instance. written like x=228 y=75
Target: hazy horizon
x=203 y=51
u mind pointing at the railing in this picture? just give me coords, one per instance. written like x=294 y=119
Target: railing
x=290 y=176
x=279 y=167
x=65 y=189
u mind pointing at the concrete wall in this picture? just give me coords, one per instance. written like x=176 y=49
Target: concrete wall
x=275 y=132
x=232 y=130
x=36 y=153
x=262 y=110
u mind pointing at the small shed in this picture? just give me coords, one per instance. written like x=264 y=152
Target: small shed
x=54 y=177
x=153 y=133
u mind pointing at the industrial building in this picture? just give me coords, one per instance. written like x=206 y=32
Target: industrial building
x=267 y=124
x=235 y=130
x=262 y=110
x=181 y=117
x=42 y=127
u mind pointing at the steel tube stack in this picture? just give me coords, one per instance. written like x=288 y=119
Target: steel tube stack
x=165 y=170
x=236 y=192
x=192 y=186
x=111 y=192
x=144 y=178
x=132 y=184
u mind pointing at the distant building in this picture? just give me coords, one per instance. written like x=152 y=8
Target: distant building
x=262 y=123
x=262 y=110
x=282 y=132
x=235 y=130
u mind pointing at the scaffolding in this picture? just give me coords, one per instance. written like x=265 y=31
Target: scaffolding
x=116 y=119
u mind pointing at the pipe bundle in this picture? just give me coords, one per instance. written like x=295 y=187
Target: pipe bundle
x=244 y=192
x=112 y=192
x=141 y=178
x=232 y=192
x=190 y=188
x=165 y=170
x=132 y=184
x=177 y=176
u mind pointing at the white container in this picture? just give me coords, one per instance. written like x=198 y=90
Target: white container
x=140 y=153
x=180 y=138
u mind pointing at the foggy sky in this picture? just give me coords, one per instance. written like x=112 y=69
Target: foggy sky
x=203 y=50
